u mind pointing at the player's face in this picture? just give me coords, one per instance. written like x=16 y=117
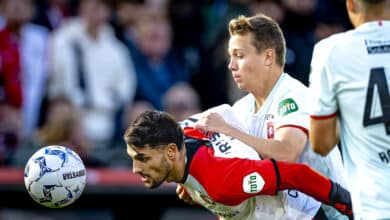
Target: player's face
x=246 y=64
x=151 y=164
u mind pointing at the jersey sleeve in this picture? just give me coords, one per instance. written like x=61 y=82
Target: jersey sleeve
x=323 y=102
x=290 y=106
x=230 y=181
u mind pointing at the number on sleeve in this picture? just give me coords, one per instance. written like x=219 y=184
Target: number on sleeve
x=378 y=80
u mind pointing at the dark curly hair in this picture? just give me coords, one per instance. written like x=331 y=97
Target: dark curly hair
x=154 y=129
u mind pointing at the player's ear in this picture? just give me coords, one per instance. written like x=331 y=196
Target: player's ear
x=269 y=56
x=351 y=6
x=353 y=11
x=171 y=151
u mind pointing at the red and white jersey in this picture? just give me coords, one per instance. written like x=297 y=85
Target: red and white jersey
x=350 y=79
x=287 y=106
x=232 y=189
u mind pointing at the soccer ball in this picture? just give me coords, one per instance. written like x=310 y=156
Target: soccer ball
x=55 y=176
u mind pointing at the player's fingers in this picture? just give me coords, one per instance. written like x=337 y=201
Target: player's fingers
x=189 y=201
x=201 y=126
x=179 y=189
x=183 y=195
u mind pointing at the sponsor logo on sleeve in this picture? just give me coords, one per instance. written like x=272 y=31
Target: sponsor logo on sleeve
x=253 y=183
x=287 y=106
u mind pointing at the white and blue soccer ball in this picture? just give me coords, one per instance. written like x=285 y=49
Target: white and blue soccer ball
x=55 y=176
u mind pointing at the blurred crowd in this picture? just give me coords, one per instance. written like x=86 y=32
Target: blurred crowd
x=76 y=73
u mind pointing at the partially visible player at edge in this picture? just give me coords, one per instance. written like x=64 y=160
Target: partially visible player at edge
x=349 y=84
x=219 y=175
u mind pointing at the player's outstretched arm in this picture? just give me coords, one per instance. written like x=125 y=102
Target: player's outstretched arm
x=304 y=179
x=230 y=181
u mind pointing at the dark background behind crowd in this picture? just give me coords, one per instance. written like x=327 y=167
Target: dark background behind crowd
x=76 y=73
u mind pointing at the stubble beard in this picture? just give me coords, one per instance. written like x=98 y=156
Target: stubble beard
x=164 y=168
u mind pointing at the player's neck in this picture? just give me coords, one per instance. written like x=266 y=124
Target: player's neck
x=370 y=18
x=179 y=167
x=374 y=13
x=265 y=89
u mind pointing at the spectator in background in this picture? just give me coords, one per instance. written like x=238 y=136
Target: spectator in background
x=135 y=110
x=22 y=69
x=272 y=8
x=52 y=13
x=181 y=101
x=328 y=25
x=93 y=69
x=129 y=114
x=64 y=127
x=31 y=41
x=33 y=48
x=157 y=63
x=124 y=19
x=185 y=14
x=14 y=15
x=213 y=57
x=299 y=25
x=10 y=126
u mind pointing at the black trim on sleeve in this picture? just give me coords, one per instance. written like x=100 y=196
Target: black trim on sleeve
x=277 y=173
x=320 y=215
x=192 y=145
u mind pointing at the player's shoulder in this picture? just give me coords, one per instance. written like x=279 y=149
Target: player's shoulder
x=339 y=38
x=334 y=44
x=291 y=96
x=331 y=51
x=291 y=83
x=291 y=87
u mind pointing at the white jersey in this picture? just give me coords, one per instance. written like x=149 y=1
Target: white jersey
x=288 y=204
x=287 y=106
x=350 y=78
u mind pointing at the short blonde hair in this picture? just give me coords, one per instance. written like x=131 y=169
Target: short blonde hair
x=266 y=34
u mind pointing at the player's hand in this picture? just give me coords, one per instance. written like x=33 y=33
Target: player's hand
x=183 y=195
x=340 y=198
x=212 y=121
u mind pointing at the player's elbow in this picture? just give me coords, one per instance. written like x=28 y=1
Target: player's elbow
x=321 y=144
x=323 y=135
x=321 y=148
x=321 y=152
